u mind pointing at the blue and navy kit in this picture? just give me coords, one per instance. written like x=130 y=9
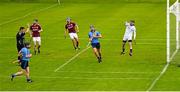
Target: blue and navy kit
x=95 y=41
x=25 y=59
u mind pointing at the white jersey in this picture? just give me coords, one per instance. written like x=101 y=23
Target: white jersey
x=129 y=32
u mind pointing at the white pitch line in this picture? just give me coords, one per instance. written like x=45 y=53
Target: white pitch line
x=67 y=62
x=18 y=18
x=91 y=78
x=162 y=72
x=108 y=72
x=105 y=39
x=86 y=78
x=11 y=37
x=87 y=38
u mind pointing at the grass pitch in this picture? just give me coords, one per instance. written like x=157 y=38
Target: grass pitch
x=84 y=73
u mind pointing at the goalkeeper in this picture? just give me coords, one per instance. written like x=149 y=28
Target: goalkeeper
x=130 y=30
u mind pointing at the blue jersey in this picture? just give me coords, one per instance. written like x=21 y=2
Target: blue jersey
x=94 y=40
x=25 y=52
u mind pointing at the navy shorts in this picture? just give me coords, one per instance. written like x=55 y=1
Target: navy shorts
x=24 y=64
x=126 y=41
x=96 y=45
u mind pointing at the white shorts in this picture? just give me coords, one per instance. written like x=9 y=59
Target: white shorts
x=37 y=39
x=127 y=38
x=73 y=35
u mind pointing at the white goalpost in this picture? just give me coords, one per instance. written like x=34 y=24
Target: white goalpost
x=171 y=10
x=175 y=10
x=168 y=33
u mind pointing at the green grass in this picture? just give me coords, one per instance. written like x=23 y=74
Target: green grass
x=88 y=1
x=116 y=73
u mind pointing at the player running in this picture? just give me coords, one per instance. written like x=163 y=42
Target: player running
x=93 y=39
x=20 y=39
x=72 y=28
x=130 y=30
x=25 y=53
x=35 y=33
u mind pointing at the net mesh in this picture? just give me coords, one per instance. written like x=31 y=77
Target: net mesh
x=174 y=30
x=172 y=33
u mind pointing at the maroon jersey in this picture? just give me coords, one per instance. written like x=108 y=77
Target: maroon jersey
x=71 y=27
x=35 y=28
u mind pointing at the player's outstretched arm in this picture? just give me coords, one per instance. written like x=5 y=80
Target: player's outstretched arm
x=126 y=23
x=28 y=28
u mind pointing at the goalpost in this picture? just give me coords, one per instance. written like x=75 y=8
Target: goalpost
x=173 y=43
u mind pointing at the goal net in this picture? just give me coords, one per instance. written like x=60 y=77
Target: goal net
x=173 y=28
